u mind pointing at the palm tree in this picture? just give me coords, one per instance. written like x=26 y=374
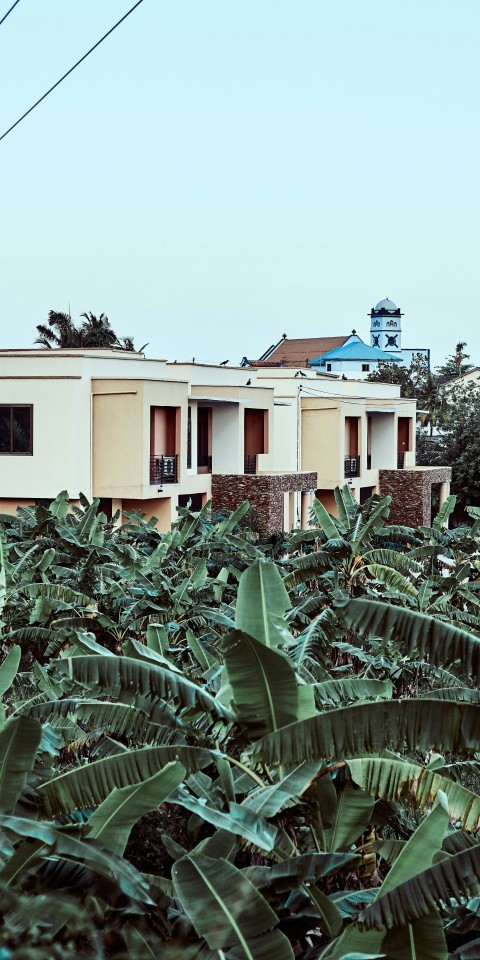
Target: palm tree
x=95 y=331
x=60 y=332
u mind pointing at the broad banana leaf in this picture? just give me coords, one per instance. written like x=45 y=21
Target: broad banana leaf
x=309 y=567
x=416 y=855
x=421 y=634
x=292 y=873
x=263 y=683
x=262 y=602
x=55 y=592
x=352 y=816
x=227 y=910
x=268 y=801
x=137 y=946
x=140 y=651
x=443 y=514
x=363 y=530
x=423 y=939
x=26 y=855
x=113 y=820
x=464 y=694
x=64 y=844
x=392 y=779
x=335 y=692
x=392 y=579
x=19 y=740
x=325 y=521
x=238 y=820
x=118 y=719
x=402 y=562
x=114 y=675
x=227 y=525
x=8 y=670
x=456 y=877
x=371 y=727
x=346 y=505
x=87 y=786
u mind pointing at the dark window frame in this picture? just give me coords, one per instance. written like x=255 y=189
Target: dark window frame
x=365 y=367
x=18 y=453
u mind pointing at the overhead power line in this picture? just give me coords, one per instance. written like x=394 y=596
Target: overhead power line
x=75 y=65
x=9 y=11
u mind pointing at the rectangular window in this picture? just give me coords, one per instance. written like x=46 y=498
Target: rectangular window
x=365 y=367
x=329 y=367
x=16 y=434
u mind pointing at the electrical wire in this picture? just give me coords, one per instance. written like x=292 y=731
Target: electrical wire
x=75 y=65
x=9 y=11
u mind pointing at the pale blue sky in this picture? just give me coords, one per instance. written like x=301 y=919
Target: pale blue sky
x=220 y=172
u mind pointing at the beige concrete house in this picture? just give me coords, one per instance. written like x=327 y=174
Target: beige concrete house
x=352 y=431
x=151 y=435
x=138 y=433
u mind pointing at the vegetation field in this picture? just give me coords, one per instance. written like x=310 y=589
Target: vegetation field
x=212 y=747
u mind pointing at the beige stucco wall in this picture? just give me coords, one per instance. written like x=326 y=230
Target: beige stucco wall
x=322 y=440
x=121 y=434
x=61 y=438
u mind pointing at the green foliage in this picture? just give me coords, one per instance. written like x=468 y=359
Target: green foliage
x=61 y=331
x=206 y=753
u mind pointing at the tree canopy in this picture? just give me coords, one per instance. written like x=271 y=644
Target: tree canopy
x=61 y=331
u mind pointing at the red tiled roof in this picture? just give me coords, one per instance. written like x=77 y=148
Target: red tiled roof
x=297 y=353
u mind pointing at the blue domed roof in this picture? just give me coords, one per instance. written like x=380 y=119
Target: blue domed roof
x=386 y=305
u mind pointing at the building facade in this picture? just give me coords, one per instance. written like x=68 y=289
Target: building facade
x=139 y=434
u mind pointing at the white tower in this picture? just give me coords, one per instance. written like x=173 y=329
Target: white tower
x=386 y=327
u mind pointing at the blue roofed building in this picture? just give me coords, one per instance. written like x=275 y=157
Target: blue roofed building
x=347 y=355
x=354 y=357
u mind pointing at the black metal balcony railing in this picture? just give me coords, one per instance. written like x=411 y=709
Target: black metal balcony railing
x=352 y=466
x=250 y=463
x=400 y=460
x=164 y=469
x=205 y=460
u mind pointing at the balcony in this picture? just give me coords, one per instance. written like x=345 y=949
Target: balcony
x=250 y=463
x=352 y=467
x=164 y=469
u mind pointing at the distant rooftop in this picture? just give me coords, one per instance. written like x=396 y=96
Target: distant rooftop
x=298 y=352
x=356 y=350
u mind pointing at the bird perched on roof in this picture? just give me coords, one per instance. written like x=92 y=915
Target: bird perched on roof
x=224 y=363
x=300 y=373
x=249 y=383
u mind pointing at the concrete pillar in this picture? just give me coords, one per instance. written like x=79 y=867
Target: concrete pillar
x=292 y=511
x=444 y=493
x=306 y=503
x=117 y=505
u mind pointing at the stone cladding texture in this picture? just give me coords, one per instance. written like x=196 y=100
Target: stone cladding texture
x=411 y=493
x=264 y=493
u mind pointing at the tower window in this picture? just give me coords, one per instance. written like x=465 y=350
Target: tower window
x=376 y=341
x=392 y=340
